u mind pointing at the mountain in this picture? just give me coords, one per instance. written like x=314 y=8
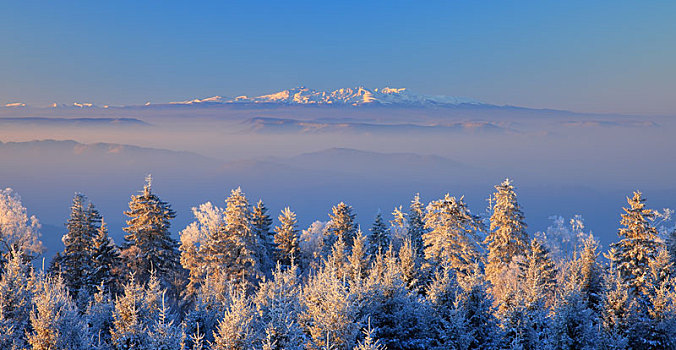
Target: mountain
x=356 y=96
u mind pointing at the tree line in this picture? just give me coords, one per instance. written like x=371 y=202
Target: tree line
x=437 y=276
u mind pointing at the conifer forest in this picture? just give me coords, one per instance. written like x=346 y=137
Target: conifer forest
x=433 y=275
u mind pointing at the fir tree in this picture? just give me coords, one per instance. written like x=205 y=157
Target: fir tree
x=261 y=224
x=76 y=261
x=359 y=258
x=416 y=222
x=538 y=273
x=379 y=239
x=342 y=225
x=106 y=261
x=233 y=248
x=286 y=238
x=638 y=246
x=148 y=243
x=409 y=266
x=453 y=239
x=507 y=237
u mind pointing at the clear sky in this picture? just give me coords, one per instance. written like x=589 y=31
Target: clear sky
x=600 y=56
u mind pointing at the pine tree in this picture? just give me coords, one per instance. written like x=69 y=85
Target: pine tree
x=342 y=225
x=452 y=239
x=261 y=225
x=76 y=261
x=106 y=261
x=409 y=266
x=18 y=231
x=507 y=237
x=148 y=243
x=416 y=222
x=286 y=238
x=369 y=342
x=475 y=305
x=379 y=239
x=638 y=246
x=99 y=317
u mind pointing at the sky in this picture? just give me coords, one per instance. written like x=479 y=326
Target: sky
x=587 y=56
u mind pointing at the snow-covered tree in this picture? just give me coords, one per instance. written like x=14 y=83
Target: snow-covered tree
x=452 y=239
x=76 y=260
x=409 y=266
x=99 y=317
x=359 y=258
x=507 y=237
x=210 y=219
x=236 y=330
x=129 y=330
x=15 y=302
x=233 y=249
x=416 y=222
x=379 y=239
x=18 y=231
x=148 y=242
x=399 y=227
x=286 y=238
x=475 y=305
x=55 y=321
x=538 y=273
x=164 y=333
x=370 y=343
x=638 y=246
x=587 y=275
x=330 y=311
x=278 y=307
x=106 y=261
x=261 y=225
x=342 y=224
x=563 y=240
x=312 y=245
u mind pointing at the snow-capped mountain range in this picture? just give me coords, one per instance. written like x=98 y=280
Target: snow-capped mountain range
x=356 y=96
x=347 y=96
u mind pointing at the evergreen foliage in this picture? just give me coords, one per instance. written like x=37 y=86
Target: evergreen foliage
x=286 y=238
x=379 y=239
x=452 y=239
x=148 y=244
x=261 y=225
x=342 y=225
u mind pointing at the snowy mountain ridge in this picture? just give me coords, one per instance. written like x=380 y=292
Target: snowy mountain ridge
x=355 y=96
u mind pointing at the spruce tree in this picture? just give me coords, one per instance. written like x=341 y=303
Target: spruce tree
x=507 y=237
x=342 y=225
x=379 y=239
x=233 y=248
x=148 y=242
x=638 y=246
x=76 y=261
x=538 y=273
x=261 y=225
x=286 y=238
x=106 y=261
x=452 y=239
x=416 y=222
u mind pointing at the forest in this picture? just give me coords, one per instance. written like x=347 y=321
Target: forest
x=435 y=276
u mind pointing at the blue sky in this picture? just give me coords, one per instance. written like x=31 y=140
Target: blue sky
x=600 y=56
